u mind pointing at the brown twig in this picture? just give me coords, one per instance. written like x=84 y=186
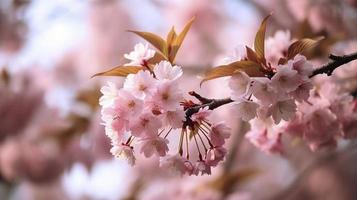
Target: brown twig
x=213 y=104
x=336 y=62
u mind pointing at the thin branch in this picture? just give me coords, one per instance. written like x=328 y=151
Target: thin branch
x=328 y=68
x=213 y=104
x=200 y=98
x=336 y=62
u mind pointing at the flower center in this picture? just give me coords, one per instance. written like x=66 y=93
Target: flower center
x=131 y=104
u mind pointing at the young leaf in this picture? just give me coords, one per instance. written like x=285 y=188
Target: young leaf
x=260 y=38
x=179 y=39
x=153 y=39
x=282 y=61
x=251 y=55
x=300 y=46
x=171 y=36
x=253 y=69
x=120 y=71
x=157 y=58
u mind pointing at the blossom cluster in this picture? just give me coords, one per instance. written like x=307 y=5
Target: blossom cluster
x=285 y=101
x=149 y=107
x=269 y=100
x=328 y=115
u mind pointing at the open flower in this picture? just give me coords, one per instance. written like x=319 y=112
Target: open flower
x=263 y=91
x=154 y=146
x=174 y=119
x=302 y=66
x=145 y=125
x=239 y=84
x=282 y=110
x=215 y=155
x=110 y=92
x=277 y=46
x=167 y=96
x=201 y=115
x=124 y=151
x=174 y=163
x=140 y=84
x=219 y=133
x=246 y=110
x=165 y=71
x=126 y=104
x=286 y=79
x=140 y=55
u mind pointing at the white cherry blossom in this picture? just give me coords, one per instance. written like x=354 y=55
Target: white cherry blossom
x=141 y=54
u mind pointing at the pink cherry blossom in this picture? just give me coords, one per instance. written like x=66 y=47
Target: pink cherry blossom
x=239 y=84
x=174 y=119
x=276 y=47
x=167 y=96
x=302 y=66
x=263 y=91
x=154 y=146
x=282 y=110
x=239 y=53
x=269 y=142
x=246 y=110
x=145 y=125
x=201 y=115
x=174 y=163
x=286 y=79
x=110 y=92
x=124 y=151
x=165 y=71
x=190 y=168
x=140 y=84
x=322 y=126
x=127 y=104
x=140 y=55
x=219 y=132
x=202 y=167
x=302 y=93
x=215 y=155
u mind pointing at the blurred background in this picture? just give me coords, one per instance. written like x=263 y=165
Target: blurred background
x=52 y=145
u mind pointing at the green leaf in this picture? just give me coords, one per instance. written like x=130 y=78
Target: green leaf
x=120 y=71
x=153 y=39
x=251 y=68
x=300 y=46
x=260 y=38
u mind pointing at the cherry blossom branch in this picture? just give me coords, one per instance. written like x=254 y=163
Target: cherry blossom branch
x=336 y=62
x=328 y=68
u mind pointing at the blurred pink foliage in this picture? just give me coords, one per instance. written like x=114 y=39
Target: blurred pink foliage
x=50 y=120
